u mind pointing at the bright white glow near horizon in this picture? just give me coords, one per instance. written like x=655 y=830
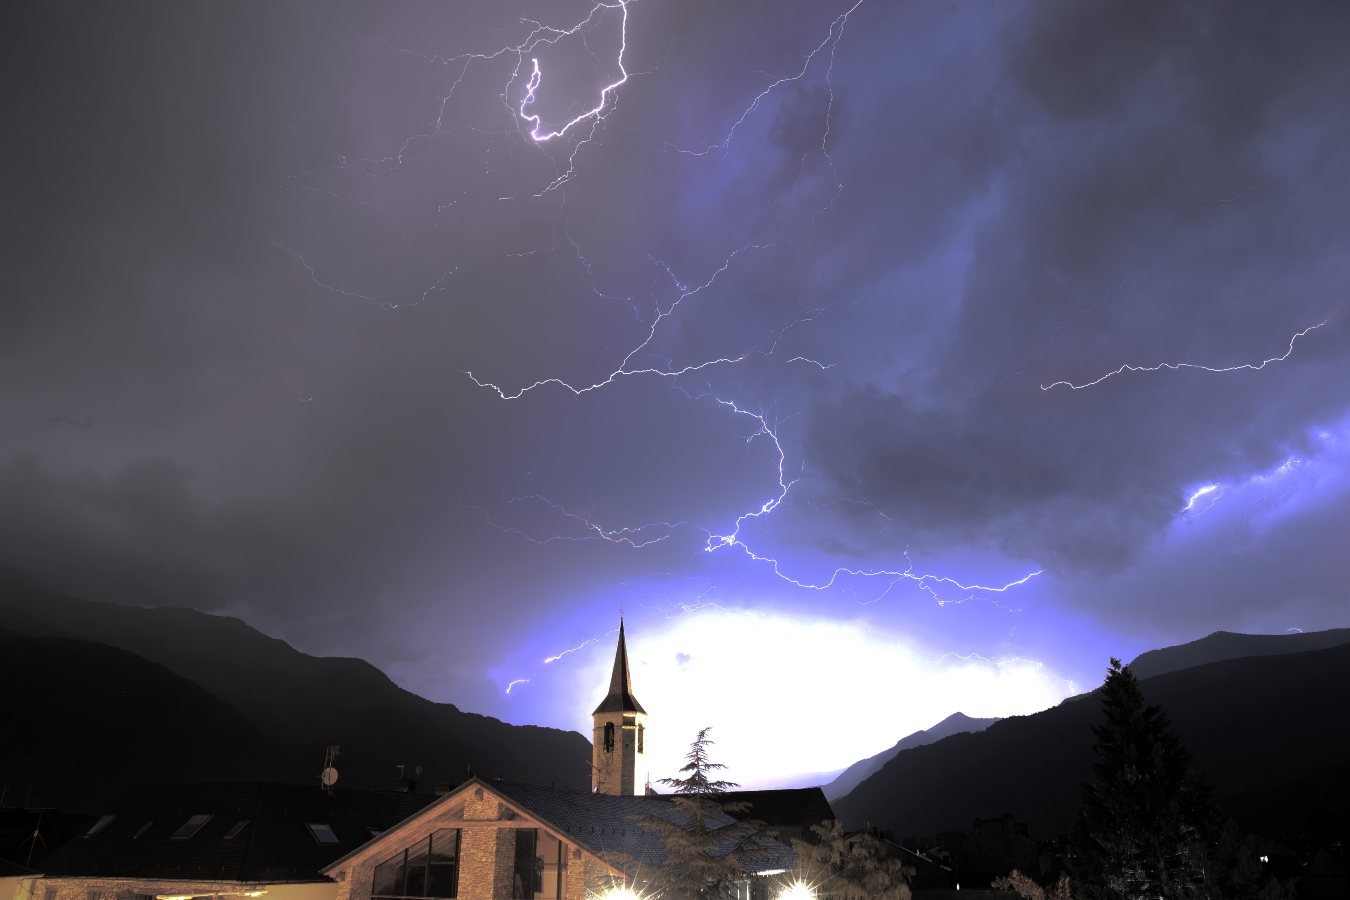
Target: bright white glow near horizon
x=789 y=697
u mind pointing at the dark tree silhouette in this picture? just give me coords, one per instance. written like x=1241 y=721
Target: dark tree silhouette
x=1149 y=827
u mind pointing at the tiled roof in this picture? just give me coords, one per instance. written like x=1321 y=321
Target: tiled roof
x=785 y=811
x=274 y=845
x=613 y=827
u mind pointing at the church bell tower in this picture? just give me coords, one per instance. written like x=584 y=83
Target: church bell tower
x=619 y=760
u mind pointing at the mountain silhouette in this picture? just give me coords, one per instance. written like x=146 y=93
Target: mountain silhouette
x=956 y=723
x=295 y=705
x=1257 y=726
x=1223 y=645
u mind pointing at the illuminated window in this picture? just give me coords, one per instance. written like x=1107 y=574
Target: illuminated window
x=102 y=823
x=429 y=868
x=235 y=829
x=322 y=832
x=609 y=737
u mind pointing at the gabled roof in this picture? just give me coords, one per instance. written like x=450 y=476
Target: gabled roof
x=610 y=828
x=274 y=844
x=620 y=697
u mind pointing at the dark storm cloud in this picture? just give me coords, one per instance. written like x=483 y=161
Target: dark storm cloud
x=258 y=245
x=1170 y=200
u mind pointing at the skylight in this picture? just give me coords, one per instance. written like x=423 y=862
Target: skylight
x=102 y=823
x=143 y=829
x=322 y=832
x=191 y=827
x=235 y=829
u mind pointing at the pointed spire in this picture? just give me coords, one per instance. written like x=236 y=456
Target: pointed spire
x=620 y=697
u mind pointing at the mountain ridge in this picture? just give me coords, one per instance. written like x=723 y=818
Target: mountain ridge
x=1251 y=724
x=851 y=777
x=305 y=703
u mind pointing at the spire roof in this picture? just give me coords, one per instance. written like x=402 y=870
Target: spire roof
x=620 y=697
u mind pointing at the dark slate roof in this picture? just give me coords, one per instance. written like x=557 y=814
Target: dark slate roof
x=275 y=845
x=612 y=827
x=789 y=812
x=620 y=697
x=19 y=852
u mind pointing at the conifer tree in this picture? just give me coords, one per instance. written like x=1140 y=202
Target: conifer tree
x=1144 y=826
x=706 y=845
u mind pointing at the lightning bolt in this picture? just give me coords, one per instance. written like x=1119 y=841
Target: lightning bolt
x=832 y=38
x=517 y=683
x=733 y=539
x=634 y=535
x=558 y=656
x=1244 y=367
x=1200 y=492
x=625 y=369
x=536 y=75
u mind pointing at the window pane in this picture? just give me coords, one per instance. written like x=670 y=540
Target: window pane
x=417 y=878
x=322 y=832
x=443 y=881
x=548 y=864
x=523 y=873
x=445 y=845
x=190 y=827
x=102 y=823
x=389 y=878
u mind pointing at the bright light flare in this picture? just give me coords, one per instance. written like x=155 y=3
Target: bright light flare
x=798 y=890
x=620 y=892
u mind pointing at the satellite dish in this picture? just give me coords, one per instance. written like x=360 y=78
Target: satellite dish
x=328 y=777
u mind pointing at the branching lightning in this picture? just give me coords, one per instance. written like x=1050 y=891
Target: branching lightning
x=1244 y=367
x=831 y=40
x=625 y=369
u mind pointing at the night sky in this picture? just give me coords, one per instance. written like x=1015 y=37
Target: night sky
x=801 y=342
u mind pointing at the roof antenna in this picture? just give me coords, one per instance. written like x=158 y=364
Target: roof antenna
x=37 y=836
x=329 y=776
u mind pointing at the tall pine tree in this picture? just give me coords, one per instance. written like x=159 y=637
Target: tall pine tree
x=1144 y=826
x=1149 y=828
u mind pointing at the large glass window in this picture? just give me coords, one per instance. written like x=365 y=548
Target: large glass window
x=540 y=864
x=429 y=868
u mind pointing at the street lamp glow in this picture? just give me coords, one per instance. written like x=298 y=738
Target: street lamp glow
x=798 y=890
x=620 y=893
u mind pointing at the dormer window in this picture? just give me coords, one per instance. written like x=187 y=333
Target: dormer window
x=102 y=823
x=322 y=832
x=190 y=827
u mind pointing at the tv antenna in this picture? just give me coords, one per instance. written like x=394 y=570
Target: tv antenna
x=329 y=776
